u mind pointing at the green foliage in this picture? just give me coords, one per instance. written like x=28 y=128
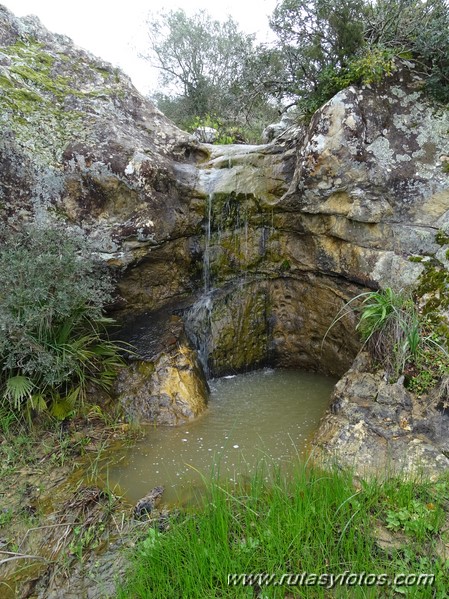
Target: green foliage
x=317 y=35
x=5 y=517
x=327 y=45
x=314 y=522
x=389 y=325
x=86 y=538
x=416 y=519
x=431 y=365
x=419 y=28
x=322 y=46
x=53 y=341
x=371 y=66
x=442 y=238
x=203 y=66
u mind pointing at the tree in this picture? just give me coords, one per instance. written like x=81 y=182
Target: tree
x=313 y=36
x=420 y=28
x=201 y=63
x=325 y=45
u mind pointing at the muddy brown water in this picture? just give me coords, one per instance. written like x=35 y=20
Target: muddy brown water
x=262 y=416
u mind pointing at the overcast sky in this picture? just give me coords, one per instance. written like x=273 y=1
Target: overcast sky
x=115 y=31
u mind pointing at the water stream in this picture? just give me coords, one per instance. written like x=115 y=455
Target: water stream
x=261 y=415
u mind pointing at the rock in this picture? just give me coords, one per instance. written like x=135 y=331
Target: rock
x=369 y=181
x=261 y=246
x=387 y=541
x=289 y=125
x=206 y=135
x=376 y=428
x=165 y=384
x=146 y=505
x=79 y=143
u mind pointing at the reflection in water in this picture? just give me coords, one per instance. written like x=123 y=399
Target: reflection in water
x=262 y=415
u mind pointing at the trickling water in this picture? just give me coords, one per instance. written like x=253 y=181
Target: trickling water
x=198 y=328
x=206 y=255
x=266 y=414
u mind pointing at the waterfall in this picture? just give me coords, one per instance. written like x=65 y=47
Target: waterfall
x=229 y=182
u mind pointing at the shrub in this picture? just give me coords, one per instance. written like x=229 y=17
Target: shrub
x=53 y=341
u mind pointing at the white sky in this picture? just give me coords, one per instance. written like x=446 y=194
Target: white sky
x=115 y=31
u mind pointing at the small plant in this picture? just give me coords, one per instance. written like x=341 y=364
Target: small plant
x=85 y=538
x=285 y=266
x=408 y=333
x=441 y=237
x=389 y=325
x=5 y=516
x=416 y=519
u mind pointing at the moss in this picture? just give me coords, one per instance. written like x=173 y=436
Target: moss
x=285 y=266
x=446 y=167
x=146 y=369
x=34 y=97
x=442 y=238
x=5 y=82
x=433 y=287
x=415 y=258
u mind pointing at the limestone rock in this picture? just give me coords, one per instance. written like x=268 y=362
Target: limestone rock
x=369 y=180
x=205 y=135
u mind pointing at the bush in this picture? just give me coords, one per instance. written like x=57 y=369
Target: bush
x=325 y=46
x=52 y=328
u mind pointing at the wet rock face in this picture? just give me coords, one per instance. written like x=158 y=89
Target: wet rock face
x=273 y=322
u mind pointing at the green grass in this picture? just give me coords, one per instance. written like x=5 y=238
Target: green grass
x=317 y=522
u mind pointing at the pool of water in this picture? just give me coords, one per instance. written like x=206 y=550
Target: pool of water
x=265 y=415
